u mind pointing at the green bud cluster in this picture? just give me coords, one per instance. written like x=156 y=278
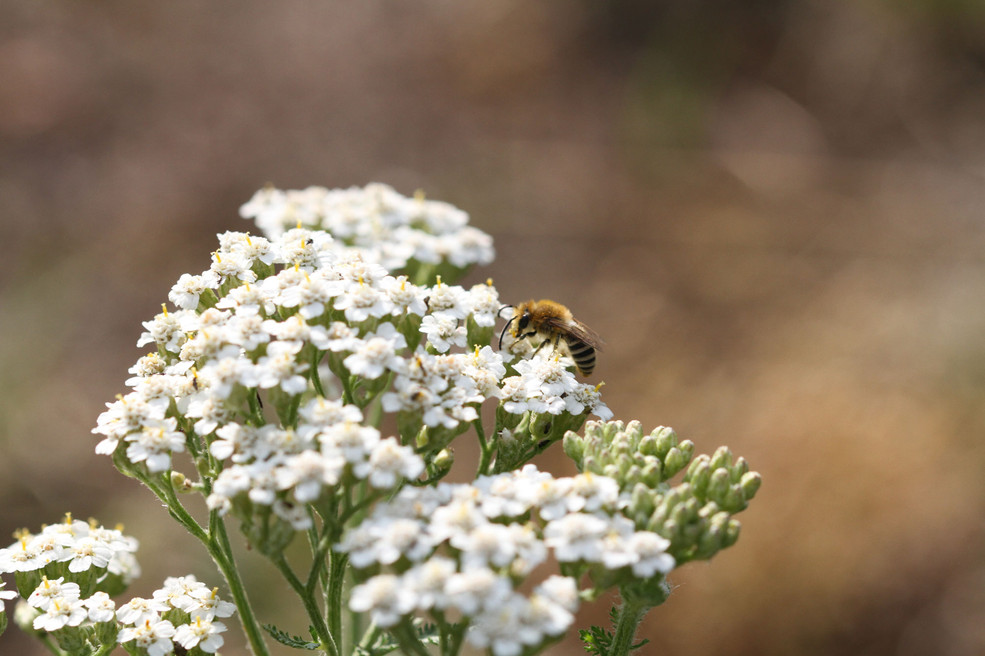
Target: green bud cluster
x=621 y=451
x=697 y=515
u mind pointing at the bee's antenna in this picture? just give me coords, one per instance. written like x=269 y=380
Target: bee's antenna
x=500 y=310
x=504 y=330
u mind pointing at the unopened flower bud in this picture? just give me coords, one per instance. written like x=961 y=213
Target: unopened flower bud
x=731 y=533
x=674 y=462
x=574 y=447
x=718 y=485
x=652 y=473
x=698 y=475
x=750 y=484
x=665 y=438
x=721 y=458
x=734 y=500
x=444 y=460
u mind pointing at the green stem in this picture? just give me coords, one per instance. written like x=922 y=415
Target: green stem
x=105 y=649
x=486 y=449
x=333 y=595
x=217 y=543
x=321 y=630
x=407 y=637
x=630 y=616
x=221 y=552
x=372 y=633
x=47 y=642
x=315 y=378
x=347 y=395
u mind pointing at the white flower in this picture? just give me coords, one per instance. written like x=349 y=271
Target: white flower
x=496 y=545
x=305 y=249
x=201 y=633
x=338 y=337
x=428 y=580
x=232 y=266
x=516 y=399
x=50 y=590
x=148 y=365
x=485 y=304
x=456 y=518
x=320 y=412
x=576 y=537
x=376 y=353
x=449 y=301
x=255 y=248
x=405 y=297
x=390 y=461
x=167 y=330
x=189 y=288
x=211 y=412
x=385 y=596
x=279 y=368
x=209 y=605
x=312 y=293
x=586 y=398
x=469 y=246
x=139 y=611
x=443 y=332
x=552 y=606
x=307 y=473
x=221 y=375
x=651 y=549
x=89 y=552
x=597 y=492
x=247 y=299
x=153 y=635
x=246 y=329
x=385 y=541
x=502 y=629
x=59 y=613
x=354 y=441
x=361 y=301
x=100 y=607
x=179 y=592
x=357 y=270
x=546 y=376
x=155 y=443
x=477 y=588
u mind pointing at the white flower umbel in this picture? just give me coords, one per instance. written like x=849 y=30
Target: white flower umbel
x=471 y=546
x=315 y=380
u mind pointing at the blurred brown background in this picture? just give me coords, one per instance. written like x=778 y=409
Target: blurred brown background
x=773 y=211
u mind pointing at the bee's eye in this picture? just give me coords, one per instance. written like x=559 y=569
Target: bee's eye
x=523 y=322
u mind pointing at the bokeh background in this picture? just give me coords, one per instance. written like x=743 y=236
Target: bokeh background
x=773 y=211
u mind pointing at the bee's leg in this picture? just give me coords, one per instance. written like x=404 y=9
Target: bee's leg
x=552 y=341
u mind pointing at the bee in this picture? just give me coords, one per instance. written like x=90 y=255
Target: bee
x=552 y=323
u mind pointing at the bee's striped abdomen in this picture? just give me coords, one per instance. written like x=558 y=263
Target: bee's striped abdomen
x=582 y=354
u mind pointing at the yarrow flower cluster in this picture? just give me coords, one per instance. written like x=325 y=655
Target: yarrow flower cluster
x=314 y=379
x=463 y=549
x=266 y=368
x=72 y=547
x=67 y=575
x=376 y=222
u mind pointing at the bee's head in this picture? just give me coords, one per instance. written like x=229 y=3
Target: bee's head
x=523 y=320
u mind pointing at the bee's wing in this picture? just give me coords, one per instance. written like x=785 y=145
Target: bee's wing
x=578 y=330
x=586 y=334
